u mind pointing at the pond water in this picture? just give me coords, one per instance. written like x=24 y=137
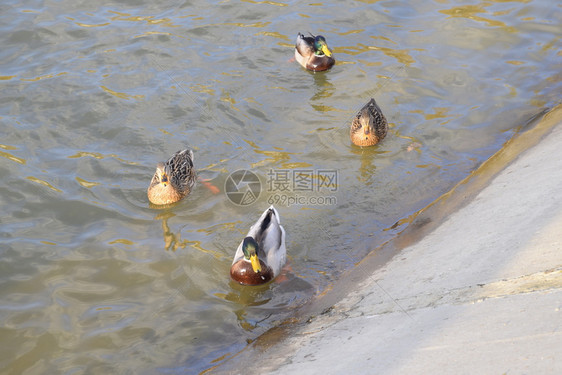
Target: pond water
x=94 y=94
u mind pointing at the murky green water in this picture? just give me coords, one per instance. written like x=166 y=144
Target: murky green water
x=93 y=94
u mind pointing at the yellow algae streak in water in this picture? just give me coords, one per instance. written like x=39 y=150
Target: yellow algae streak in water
x=274 y=34
x=472 y=11
x=44 y=183
x=86 y=184
x=121 y=95
x=266 y=2
x=82 y=154
x=97 y=155
x=91 y=25
x=45 y=76
x=10 y=156
x=121 y=241
x=255 y=24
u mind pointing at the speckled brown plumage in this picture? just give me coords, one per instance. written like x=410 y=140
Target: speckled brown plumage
x=369 y=127
x=173 y=179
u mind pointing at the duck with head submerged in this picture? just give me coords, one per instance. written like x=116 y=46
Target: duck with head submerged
x=369 y=126
x=312 y=53
x=173 y=179
x=262 y=254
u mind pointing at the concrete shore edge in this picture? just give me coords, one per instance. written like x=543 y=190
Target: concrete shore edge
x=473 y=284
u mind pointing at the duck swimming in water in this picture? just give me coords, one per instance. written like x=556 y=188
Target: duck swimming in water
x=312 y=53
x=262 y=254
x=369 y=127
x=173 y=179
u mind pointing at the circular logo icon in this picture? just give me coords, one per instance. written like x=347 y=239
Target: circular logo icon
x=242 y=187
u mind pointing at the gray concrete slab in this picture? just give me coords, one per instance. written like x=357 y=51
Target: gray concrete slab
x=480 y=294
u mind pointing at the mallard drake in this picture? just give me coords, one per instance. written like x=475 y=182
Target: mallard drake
x=312 y=53
x=369 y=127
x=262 y=254
x=173 y=179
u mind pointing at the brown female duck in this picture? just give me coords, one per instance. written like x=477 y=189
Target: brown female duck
x=173 y=179
x=369 y=127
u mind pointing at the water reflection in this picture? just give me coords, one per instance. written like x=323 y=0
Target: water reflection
x=245 y=324
x=367 y=156
x=255 y=295
x=324 y=88
x=172 y=241
x=9 y=156
x=472 y=11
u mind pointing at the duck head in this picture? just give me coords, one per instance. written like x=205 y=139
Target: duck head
x=250 y=250
x=321 y=47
